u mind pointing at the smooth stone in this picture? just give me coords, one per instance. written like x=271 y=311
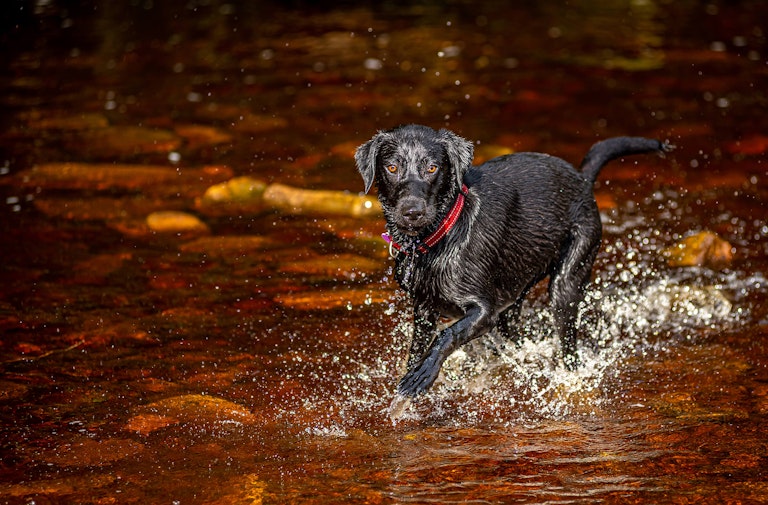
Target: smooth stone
x=702 y=249
x=170 y=221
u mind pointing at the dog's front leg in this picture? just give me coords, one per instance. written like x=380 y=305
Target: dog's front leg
x=424 y=328
x=424 y=372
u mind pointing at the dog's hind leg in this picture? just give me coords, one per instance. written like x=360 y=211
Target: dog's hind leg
x=508 y=324
x=568 y=282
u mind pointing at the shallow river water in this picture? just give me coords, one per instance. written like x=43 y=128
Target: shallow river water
x=181 y=323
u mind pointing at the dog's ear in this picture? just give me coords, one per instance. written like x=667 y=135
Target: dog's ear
x=365 y=158
x=460 y=152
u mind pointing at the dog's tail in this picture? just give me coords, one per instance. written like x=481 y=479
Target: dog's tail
x=616 y=147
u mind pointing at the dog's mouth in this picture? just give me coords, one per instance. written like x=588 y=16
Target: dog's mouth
x=413 y=215
x=410 y=230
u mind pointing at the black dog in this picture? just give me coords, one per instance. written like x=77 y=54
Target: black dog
x=471 y=241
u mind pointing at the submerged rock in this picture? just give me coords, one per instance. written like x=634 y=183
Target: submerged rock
x=229 y=247
x=332 y=299
x=245 y=194
x=176 y=222
x=123 y=141
x=196 y=410
x=240 y=190
x=337 y=266
x=99 y=176
x=307 y=201
x=74 y=122
x=92 y=453
x=702 y=249
x=201 y=135
x=246 y=489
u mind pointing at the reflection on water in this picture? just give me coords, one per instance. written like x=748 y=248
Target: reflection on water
x=197 y=306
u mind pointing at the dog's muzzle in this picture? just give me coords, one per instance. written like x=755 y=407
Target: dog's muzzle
x=412 y=215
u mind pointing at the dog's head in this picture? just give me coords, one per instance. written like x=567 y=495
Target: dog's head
x=418 y=172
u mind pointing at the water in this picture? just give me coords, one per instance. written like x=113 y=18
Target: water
x=252 y=357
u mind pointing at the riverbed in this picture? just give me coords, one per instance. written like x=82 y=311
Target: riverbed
x=197 y=305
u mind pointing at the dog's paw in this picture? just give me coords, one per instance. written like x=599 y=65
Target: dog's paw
x=398 y=407
x=419 y=378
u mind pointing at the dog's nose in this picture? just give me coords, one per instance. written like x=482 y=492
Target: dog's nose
x=413 y=211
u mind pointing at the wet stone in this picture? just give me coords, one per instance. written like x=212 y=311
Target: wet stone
x=304 y=201
x=97 y=208
x=96 y=175
x=176 y=222
x=233 y=197
x=245 y=489
x=336 y=266
x=702 y=249
x=88 y=452
x=10 y=390
x=150 y=180
x=38 y=120
x=56 y=488
x=201 y=135
x=254 y=123
x=229 y=247
x=193 y=409
x=122 y=141
x=318 y=299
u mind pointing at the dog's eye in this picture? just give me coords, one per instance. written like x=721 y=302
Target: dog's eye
x=432 y=169
x=392 y=168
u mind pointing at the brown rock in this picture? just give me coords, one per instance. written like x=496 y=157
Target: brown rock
x=88 y=452
x=337 y=266
x=119 y=141
x=201 y=135
x=230 y=246
x=702 y=249
x=97 y=175
x=84 y=121
x=196 y=410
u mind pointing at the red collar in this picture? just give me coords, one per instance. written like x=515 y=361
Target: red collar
x=436 y=236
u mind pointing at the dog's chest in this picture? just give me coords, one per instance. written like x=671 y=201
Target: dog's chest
x=436 y=284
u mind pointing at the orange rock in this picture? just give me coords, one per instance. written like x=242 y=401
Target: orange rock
x=176 y=222
x=306 y=201
x=702 y=249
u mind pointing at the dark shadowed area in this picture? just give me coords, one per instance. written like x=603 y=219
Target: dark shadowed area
x=196 y=305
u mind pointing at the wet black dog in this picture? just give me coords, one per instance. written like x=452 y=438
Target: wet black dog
x=471 y=241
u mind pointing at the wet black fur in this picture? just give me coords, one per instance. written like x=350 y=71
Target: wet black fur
x=527 y=216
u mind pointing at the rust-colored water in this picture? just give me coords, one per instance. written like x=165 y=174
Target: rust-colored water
x=246 y=351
